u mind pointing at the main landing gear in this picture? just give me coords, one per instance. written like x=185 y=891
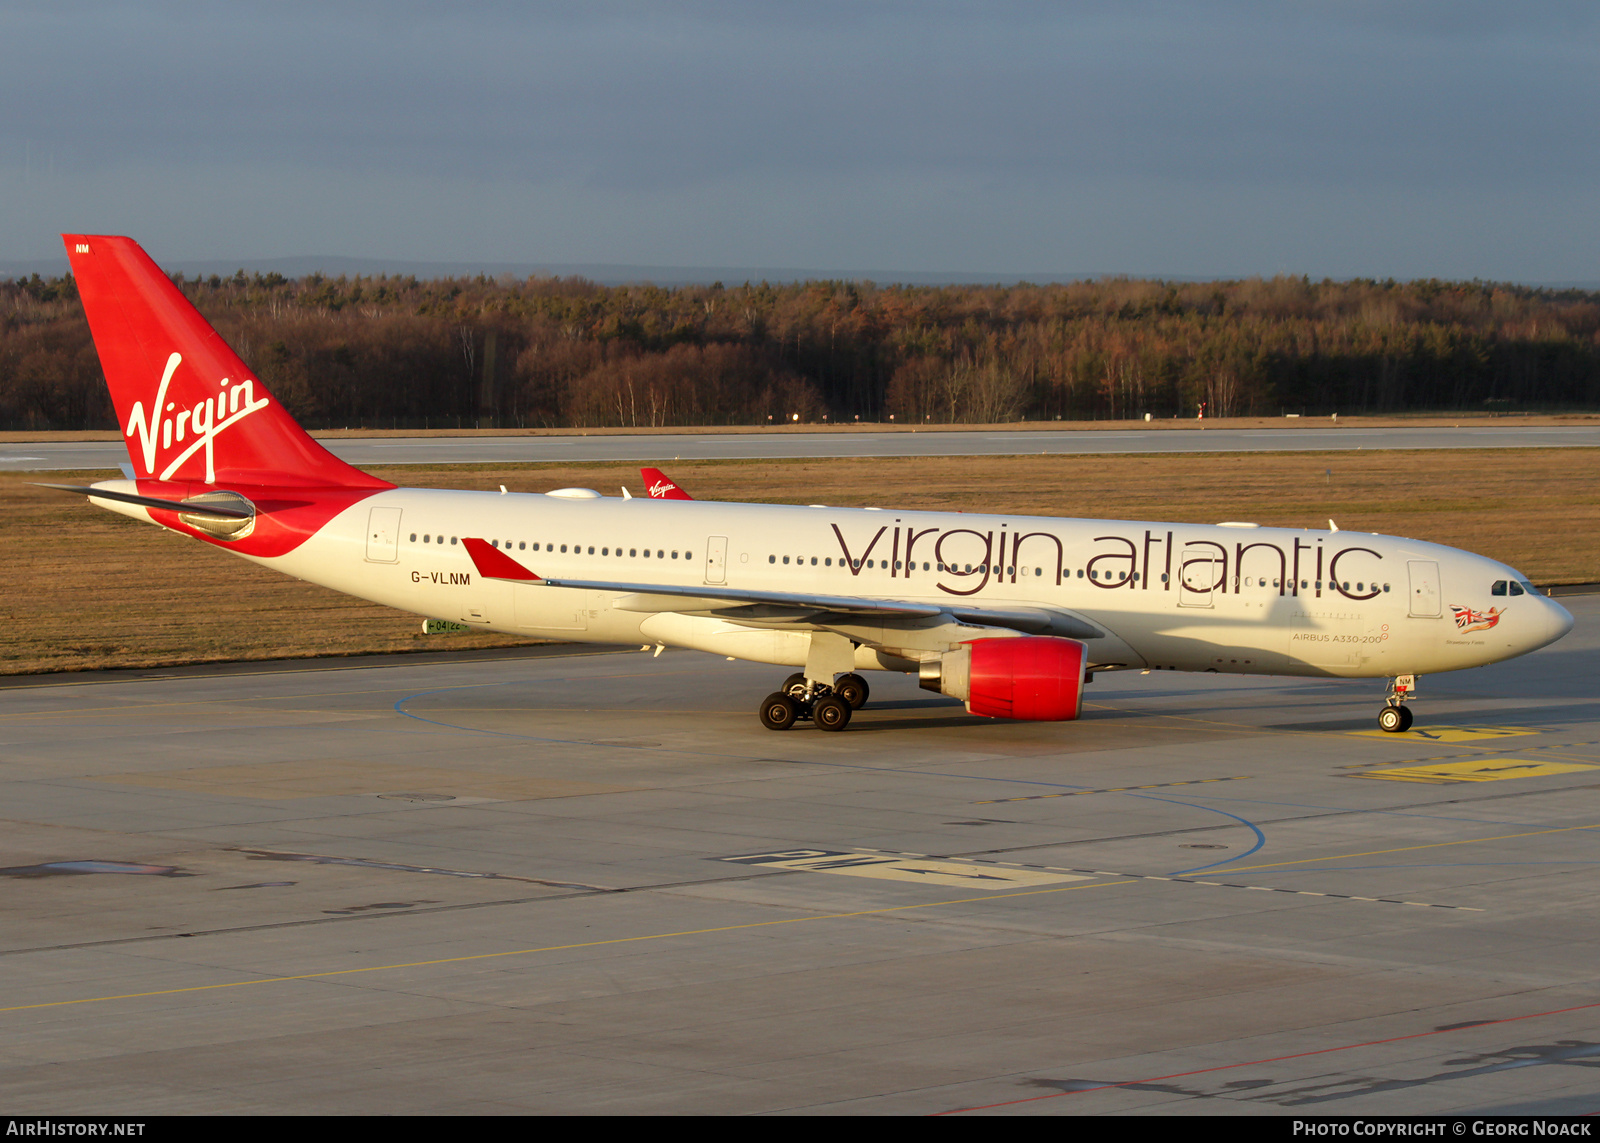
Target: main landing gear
x=829 y=707
x=1395 y=717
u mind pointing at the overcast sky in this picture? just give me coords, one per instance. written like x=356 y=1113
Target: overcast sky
x=1201 y=138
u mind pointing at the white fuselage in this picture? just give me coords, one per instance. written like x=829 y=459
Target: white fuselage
x=1228 y=598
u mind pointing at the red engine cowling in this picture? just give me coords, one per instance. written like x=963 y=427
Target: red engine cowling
x=1033 y=677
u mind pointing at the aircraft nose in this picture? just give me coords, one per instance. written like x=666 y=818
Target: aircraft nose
x=1560 y=619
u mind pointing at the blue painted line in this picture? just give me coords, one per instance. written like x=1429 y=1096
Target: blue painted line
x=1261 y=838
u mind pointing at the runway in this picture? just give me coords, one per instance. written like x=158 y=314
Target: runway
x=576 y=882
x=43 y=456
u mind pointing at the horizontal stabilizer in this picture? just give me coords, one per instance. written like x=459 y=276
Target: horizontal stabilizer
x=187 y=508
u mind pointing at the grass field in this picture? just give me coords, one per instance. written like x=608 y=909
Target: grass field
x=86 y=589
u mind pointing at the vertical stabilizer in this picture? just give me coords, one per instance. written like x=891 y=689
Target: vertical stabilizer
x=190 y=409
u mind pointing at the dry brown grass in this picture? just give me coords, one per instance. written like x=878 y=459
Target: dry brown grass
x=87 y=589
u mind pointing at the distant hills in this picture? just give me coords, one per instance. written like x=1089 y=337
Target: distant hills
x=605 y=273
x=617 y=274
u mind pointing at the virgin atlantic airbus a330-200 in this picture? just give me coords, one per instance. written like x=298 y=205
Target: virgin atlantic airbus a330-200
x=1010 y=613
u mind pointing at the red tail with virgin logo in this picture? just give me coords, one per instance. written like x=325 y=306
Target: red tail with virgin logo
x=660 y=488
x=191 y=411
x=196 y=418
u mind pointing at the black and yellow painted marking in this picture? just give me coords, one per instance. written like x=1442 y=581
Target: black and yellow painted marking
x=1110 y=790
x=1477 y=770
x=1449 y=733
x=828 y=861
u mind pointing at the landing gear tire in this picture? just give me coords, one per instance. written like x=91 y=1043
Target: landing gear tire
x=794 y=686
x=778 y=711
x=831 y=713
x=853 y=689
x=1395 y=719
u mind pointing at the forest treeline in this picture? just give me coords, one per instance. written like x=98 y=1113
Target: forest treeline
x=565 y=352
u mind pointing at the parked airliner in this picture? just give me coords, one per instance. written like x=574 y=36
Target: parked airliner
x=1010 y=613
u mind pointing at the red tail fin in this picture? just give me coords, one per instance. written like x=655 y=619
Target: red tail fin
x=191 y=410
x=660 y=488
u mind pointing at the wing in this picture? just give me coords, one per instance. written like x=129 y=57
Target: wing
x=790 y=609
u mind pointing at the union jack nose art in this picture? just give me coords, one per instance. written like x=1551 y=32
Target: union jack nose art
x=1470 y=620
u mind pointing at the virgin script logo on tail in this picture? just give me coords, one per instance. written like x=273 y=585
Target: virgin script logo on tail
x=166 y=426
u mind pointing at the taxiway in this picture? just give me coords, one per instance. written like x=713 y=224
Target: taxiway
x=576 y=881
x=47 y=455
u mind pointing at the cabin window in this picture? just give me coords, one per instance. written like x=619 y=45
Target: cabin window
x=452 y=541
x=770 y=559
x=785 y=559
x=413 y=537
x=563 y=548
x=425 y=539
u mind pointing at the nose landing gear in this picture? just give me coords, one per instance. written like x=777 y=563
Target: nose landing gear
x=1395 y=717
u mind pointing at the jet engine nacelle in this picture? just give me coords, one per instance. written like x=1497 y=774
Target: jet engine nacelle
x=1034 y=677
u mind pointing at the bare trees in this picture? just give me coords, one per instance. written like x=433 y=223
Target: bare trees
x=548 y=351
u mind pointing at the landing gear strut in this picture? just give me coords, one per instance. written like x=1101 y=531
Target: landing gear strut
x=1395 y=717
x=829 y=707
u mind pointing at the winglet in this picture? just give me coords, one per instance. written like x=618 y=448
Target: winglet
x=492 y=563
x=660 y=487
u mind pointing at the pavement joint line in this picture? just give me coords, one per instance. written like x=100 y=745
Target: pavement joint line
x=1187 y=881
x=136 y=707
x=1474 y=1026
x=553 y=948
x=1410 y=848
x=1111 y=790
